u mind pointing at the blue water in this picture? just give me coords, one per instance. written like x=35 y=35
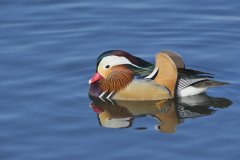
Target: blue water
x=48 y=51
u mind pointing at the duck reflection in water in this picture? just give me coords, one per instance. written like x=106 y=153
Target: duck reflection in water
x=169 y=113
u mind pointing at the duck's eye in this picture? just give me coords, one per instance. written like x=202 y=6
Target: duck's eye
x=107 y=66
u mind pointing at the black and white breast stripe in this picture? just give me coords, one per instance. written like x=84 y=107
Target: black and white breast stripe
x=185 y=82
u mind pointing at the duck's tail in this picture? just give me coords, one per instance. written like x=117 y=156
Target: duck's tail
x=199 y=87
x=209 y=83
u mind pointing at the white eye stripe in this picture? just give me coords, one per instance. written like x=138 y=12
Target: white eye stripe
x=115 y=60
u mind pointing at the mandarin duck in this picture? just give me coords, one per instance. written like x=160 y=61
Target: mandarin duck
x=122 y=76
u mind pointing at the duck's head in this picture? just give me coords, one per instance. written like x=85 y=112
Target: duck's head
x=119 y=61
x=119 y=67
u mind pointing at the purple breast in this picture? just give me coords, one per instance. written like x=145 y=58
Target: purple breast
x=94 y=89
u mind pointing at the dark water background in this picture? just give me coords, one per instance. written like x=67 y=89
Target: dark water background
x=47 y=54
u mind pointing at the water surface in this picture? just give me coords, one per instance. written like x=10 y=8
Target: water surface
x=48 y=53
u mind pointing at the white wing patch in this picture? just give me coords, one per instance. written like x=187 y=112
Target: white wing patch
x=154 y=72
x=115 y=60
